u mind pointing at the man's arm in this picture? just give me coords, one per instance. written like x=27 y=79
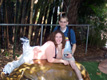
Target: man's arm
x=73 y=48
x=73 y=40
x=56 y=28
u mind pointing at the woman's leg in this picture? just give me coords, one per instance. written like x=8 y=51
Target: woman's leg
x=9 y=67
x=27 y=57
x=74 y=66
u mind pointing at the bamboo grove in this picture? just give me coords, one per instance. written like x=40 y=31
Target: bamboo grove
x=30 y=12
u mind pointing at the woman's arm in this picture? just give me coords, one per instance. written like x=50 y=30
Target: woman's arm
x=65 y=62
x=59 y=51
x=50 y=54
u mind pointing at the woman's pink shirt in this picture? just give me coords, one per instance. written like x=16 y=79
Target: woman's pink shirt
x=46 y=51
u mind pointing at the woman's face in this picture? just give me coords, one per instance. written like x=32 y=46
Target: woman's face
x=58 y=38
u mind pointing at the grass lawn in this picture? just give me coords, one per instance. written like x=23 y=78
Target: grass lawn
x=94 y=72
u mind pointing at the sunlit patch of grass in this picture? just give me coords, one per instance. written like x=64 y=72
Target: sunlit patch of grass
x=94 y=72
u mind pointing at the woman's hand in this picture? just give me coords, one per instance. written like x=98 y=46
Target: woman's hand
x=65 y=62
x=59 y=47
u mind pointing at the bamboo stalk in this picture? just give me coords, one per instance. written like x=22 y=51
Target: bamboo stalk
x=31 y=15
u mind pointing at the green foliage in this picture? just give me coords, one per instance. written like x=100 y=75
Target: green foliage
x=17 y=55
x=95 y=14
x=97 y=36
x=7 y=53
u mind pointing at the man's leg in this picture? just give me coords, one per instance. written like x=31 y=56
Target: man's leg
x=74 y=66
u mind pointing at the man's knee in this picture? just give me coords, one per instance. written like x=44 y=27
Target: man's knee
x=73 y=64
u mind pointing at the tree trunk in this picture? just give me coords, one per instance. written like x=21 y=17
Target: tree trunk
x=7 y=35
x=71 y=7
x=1 y=2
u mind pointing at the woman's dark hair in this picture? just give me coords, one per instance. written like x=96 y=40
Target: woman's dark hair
x=52 y=38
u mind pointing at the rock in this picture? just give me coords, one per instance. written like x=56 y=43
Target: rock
x=103 y=66
x=42 y=70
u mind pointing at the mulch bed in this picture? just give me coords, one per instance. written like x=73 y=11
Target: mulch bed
x=93 y=54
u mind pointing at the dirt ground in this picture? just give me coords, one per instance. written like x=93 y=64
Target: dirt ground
x=93 y=54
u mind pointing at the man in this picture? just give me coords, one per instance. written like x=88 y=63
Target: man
x=63 y=22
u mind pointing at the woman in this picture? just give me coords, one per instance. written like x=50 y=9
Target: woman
x=52 y=50
x=56 y=42
x=65 y=54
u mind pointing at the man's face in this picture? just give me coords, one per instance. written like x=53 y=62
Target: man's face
x=63 y=22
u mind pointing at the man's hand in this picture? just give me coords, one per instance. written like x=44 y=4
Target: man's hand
x=69 y=55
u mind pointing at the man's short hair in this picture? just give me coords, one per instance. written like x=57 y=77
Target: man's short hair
x=63 y=15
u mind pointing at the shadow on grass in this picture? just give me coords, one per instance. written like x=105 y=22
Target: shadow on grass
x=94 y=72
